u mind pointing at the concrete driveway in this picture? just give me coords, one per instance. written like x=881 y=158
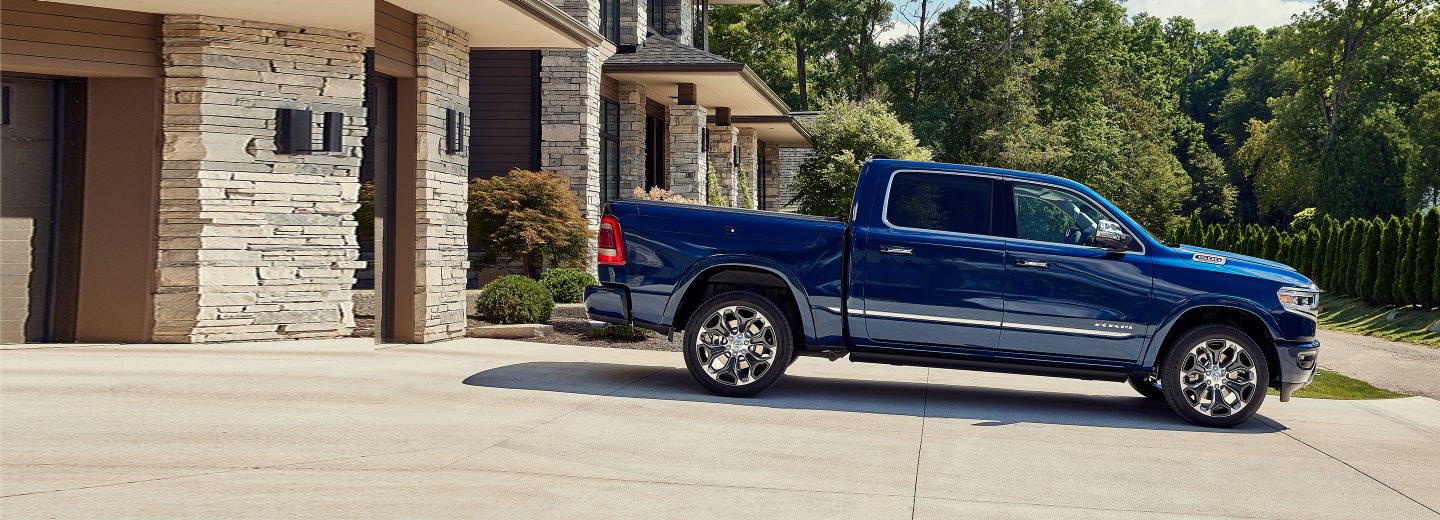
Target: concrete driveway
x=496 y=429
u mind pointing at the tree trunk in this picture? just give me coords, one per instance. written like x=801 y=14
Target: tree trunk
x=800 y=57
x=919 y=61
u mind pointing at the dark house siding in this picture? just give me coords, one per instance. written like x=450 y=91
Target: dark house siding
x=504 y=112
x=394 y=40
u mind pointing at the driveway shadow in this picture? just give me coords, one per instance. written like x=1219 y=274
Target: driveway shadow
x=985 y=405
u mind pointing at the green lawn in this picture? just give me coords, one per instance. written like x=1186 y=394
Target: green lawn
x=1357 y=317
x=1333 y=385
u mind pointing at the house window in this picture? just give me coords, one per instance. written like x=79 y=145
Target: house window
x=656 y=16
x=700 y=38
x=610 y=20
x=654 y=152
x=609 y=151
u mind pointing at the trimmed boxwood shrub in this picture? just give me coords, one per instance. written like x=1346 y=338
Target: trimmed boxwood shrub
x=514 y=299
x=567 y=284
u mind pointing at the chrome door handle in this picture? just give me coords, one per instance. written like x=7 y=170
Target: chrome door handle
x=1033 y=263
x=895 y=250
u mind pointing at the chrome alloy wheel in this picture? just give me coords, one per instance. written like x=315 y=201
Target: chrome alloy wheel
x=736 y=345
x=1218 y=378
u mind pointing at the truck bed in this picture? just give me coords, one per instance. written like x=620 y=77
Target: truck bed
x=669 y=245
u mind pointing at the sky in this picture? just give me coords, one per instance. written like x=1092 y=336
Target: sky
x=1208 y=14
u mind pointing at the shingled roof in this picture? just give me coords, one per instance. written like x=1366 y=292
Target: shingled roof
x=660 y=53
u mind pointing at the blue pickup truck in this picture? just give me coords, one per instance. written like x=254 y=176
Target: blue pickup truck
x=966 y=267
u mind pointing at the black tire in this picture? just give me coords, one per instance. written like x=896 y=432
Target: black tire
x=1239 y=377
x=1148 y=387
x=766 y=357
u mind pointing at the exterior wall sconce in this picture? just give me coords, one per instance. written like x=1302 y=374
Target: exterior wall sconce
x=334 y=127
x=454 y=131
x=294 y=129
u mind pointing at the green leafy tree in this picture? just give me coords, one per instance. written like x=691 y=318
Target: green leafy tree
x=528 y=215
x=846 y=134
x=1422 y=178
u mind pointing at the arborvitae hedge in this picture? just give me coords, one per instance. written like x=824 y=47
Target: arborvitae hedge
x=1390 y=261
x=1405 y=266
x=1427 y=284
x=1383 y=288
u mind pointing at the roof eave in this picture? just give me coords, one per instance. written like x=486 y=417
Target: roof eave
x=562 y=22
x=742 y=120
x=672 y=67
x=764 y=89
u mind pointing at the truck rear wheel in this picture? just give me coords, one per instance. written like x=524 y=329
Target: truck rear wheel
x=1215 y=376
x=737 y=344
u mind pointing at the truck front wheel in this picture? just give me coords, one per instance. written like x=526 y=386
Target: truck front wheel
x=737 y=344
x=1215 y=376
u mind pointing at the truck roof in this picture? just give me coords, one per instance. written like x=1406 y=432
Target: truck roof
x=896 y=164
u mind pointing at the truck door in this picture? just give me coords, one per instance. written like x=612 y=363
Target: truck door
x=932 y=272
x=1063 y=296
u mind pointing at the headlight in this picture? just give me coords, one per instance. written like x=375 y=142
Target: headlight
x=1300 y=300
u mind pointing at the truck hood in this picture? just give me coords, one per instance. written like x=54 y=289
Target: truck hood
x=1189 y=249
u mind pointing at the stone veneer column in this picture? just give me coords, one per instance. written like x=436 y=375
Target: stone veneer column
x=750 y=162
x=442 y=74
x=686 y=151
x=789 y=165
x=255 y=245
x=570 y=123
x=679 y=21
x=632 y=137
x=772 y=178
x=634 y=21
x=722 y=158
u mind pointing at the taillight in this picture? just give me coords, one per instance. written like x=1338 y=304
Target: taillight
x=611 y=244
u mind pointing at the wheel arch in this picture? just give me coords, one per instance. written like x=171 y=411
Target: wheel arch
x=1247 y=316
x=700 y=284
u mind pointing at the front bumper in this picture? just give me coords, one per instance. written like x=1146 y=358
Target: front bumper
x=1298 y=361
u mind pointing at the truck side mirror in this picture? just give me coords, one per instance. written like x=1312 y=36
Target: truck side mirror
x=1111 y=237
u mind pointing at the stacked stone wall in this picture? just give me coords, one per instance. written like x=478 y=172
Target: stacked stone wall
x=685 y=151
x=632 y=137
x=789 y=164
x=441 y=250
x=254 y=244
x=722 y=158
x=749 y=163
x=772 y=177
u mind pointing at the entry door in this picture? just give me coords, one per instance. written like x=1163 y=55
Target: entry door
x=933 y=273
x=382 y=148
x=1063 y=296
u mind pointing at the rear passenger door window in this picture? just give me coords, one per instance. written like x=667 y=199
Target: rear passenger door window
x=940 y=202
x=933 y=274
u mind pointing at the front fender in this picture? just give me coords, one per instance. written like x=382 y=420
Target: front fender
x=802 y=298
x=1157 y=340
